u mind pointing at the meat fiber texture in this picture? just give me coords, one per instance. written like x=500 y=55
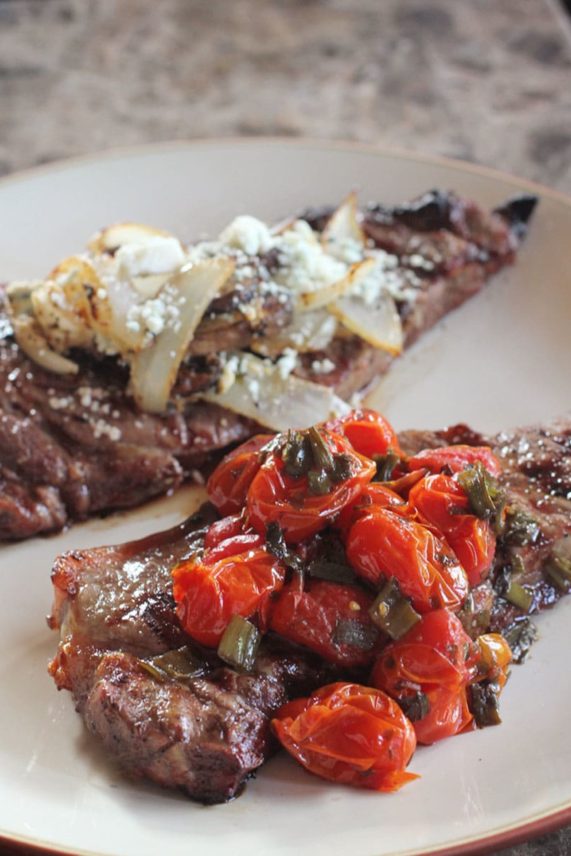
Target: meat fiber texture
x=73 y=447
x=113 y=607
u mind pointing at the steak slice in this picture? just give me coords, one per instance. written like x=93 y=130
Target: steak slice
x=71 y=447
x=114 y=610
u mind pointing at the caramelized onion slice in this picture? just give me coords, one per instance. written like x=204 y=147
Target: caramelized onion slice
x=110 y=239
x=261 y=393
x=320 y=297
x=154 y=369
x=378 y=324
x=342 y=236
x=35 y=345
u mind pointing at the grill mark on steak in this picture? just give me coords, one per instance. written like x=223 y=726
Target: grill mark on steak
x=60 y=459
x=113 y=606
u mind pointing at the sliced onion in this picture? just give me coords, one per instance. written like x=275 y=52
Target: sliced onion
x=154 y=369
x=33 y=342
x=308 y=331
x=261 y=393
x=19 y=295
x=63 y=322
x=378 y=323
x=342 y=232
x=110 y=239
x=320 y=297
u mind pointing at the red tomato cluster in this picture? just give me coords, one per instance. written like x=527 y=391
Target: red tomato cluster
x=415 y=530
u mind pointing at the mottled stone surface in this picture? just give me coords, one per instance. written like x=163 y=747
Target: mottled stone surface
x=484 y=80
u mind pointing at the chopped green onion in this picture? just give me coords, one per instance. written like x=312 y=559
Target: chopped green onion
x=484 y=494
x=519 y=596
x=352 y=632
x=483 y=701
x=415 y=706
x=296 y=454
x=318 y=482
x=322 y=454
x=385 y=465
x=335 y=572
x=239 y=644
x=392 y=612
x=275 y=542
x=520 y=636
x=180 y=664
x=343 y=468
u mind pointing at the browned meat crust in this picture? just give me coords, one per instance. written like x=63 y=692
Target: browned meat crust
x=71 y=448
x=113 y=606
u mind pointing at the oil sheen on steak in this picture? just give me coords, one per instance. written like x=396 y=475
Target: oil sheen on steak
x=113 y=608
x=74 y=447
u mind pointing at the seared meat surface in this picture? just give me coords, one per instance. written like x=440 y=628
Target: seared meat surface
x=114 y=610
x=74 y=446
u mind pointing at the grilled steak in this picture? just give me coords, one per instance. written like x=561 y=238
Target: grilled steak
x=74 y=446
x=114 y=609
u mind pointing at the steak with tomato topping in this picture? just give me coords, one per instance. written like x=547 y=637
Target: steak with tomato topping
x=76 y=445
x=204 y=727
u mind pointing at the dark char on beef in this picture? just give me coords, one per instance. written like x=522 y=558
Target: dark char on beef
x=113 y=608
x=75 y=447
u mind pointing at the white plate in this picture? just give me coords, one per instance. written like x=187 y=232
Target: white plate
x=501 y=360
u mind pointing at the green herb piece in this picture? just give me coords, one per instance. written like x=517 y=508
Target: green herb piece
x=483 y=701
x=180 y=664
x=486 y=498
x=239 y=644
x=415 y=706
x=319 y=482
x=520 y=636
x=386 y=465
x=558 y=566
x=335 y=572
x=520 y=528
x=322 y=454
x=519 y=596
x=297 y=454
x=392 y=612
x=343 y=468
x=275 y=542
x=349 y=631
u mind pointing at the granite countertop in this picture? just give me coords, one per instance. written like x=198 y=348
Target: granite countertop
x=484 y=80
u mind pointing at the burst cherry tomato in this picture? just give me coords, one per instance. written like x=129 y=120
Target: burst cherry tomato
x=208 y=591
x=442 y=503
x=382 y=544
x=276 y=496
x=349 y=734
x=428 y=671
x=374 y=494
x=368 y=432
x=328 y=618
x=221 y=530
x=229 y=483
x=455 y=459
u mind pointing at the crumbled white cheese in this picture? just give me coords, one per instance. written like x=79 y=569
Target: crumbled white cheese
x=287 y=363
x=324 y=366
x=248 y=234
x=103 y=429
x=157 y=254
x=304 y=264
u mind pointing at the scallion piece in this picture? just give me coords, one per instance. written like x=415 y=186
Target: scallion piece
x=180 y=664
x=385 y=465
x=519 y=596
x=322 y=454
x=483 y=701
x=485 y=496
x=520 y=528
x=296 y=454
x=318 y=482
x=392 y=612
x=415 y=706
x=239 y=644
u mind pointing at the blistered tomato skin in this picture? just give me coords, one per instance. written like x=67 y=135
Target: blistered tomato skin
x=382 y=544
x=374 y=495
x=441 y=502
x=276 y=497
x=328 y=618
x=229 y=483
x=368 y=432
x=454 y=459
x=209 y=591
x=349 y=734
x=439 y=660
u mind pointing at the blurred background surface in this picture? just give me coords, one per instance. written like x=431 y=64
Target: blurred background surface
x=483 y=80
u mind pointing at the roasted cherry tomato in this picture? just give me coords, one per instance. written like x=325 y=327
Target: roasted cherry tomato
x=382 y=544
x=208 y=591
x=374 y=494
x=349 y=734
x=455 y=459
x=442 y=503
x=368 y=432
x=221 y=530
x=276 y=496
x=495 y=658
x=427 y=671
x=229 y=483
x=328 y=618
